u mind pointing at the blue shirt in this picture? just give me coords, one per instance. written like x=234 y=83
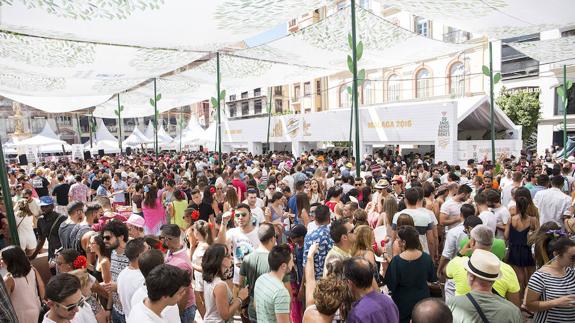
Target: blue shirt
x=374 y=308
x=292 y=206
x=321 y=235
x=535 y=189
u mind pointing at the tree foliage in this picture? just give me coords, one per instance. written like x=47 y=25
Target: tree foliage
x=522 y=107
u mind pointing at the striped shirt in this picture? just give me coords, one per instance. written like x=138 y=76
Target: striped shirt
x=271 y=298
x=550 y=288
x=117 y=264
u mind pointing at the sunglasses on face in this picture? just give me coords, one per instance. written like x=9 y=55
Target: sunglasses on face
x=107 y=238
x=241 y=214
x=166 y=238
x=72 y=307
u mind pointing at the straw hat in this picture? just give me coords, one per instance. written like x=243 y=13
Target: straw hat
x=484 y=264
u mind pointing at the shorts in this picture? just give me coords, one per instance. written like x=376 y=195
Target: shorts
x=27 y=239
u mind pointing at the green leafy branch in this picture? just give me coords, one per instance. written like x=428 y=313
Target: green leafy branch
x=487 y=72
x=153 y=103
x=359 y=54
x=215 y=101
x=118 y=111
x=562 y=93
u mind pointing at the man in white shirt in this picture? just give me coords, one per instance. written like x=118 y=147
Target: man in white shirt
x=485 y=214
x=507 y=190
x=553 y=204
x=64 y=298
x=449 y=214
x=166 y=284
x=147 y=262
x=243 y=238
x=423 y=223
x=255 y=208
x=131 y=278
x=501 y=212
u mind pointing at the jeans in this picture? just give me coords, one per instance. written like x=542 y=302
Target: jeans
x=117 y=317
x=189 y=314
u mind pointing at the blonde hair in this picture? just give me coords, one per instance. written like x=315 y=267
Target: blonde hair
x=390 y=208
x=83 y=276
x=363 y=239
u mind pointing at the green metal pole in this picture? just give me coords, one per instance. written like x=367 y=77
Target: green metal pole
x=79 y=128
x=119 y=125
x=155 y=119
x=269 y=118
x=8 y=199
x=492 y=103
x=354 y=89
x=349 y=149
x=565 y=112
x=181 y=124
x=90 y=126
x=219 y=129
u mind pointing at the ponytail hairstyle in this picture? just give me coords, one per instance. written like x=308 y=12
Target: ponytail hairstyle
x=522 y=206
x=540 y=240
x=203 y=228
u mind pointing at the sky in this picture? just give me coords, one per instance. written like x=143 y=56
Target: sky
x=265 y=37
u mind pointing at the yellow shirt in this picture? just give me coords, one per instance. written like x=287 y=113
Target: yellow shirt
x=507 y=283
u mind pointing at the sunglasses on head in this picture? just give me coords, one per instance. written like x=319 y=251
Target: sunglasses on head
x=72 y=307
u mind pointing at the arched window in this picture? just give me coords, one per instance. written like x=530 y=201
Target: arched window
x=457 y=79
x=422 y=84
x=344 y=97
x=368 y=92
x=393 y=88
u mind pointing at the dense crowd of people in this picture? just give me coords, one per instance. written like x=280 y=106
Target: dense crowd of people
x=281 y=238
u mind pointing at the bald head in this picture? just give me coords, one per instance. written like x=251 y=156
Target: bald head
x=431 y=310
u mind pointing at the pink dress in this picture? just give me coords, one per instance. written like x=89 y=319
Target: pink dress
x=154 y=217
x=25 y=298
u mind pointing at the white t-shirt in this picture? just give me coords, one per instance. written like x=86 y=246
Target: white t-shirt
x=488 y=218
x=502 y=216
x=553 y=205
x=258 y=214
x=85 y=314
x=142 y=313
x=170 y=313
x=242 y=245
x=452 y=208
x=74 y=320
x=129 y=280
x=422 y=221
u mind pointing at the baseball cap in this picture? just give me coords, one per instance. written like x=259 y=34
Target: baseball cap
x=46 y=200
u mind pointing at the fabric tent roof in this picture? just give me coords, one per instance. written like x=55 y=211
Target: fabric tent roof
x=136 y=138
x=314 y=51
x=549 y=50
x=497 y=19
x=191 y=134
x=152 y=23
x=473 y=113
x=46 y=137
x=71 y=51
x=103 y=139
x=149 y=131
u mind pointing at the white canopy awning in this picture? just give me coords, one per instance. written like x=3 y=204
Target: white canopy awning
x=473 y=113
x=103 y=140
x=46 y=137
x=497 y=19
x=558 y=50
x=136 y=138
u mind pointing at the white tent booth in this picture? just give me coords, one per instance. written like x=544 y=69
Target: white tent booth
x=103 y=140
x=136 y=139
x=457 y=128
x=191 y=136
x=47 y=142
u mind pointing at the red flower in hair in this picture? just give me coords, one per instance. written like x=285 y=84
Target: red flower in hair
x=211 y=225
x=195 y=215
x=159 y=246
x=382 y=243
x=80 y=262
x=212 y=190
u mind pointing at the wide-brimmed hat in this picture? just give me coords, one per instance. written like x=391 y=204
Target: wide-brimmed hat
x=381 y=184
x=484 y=264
